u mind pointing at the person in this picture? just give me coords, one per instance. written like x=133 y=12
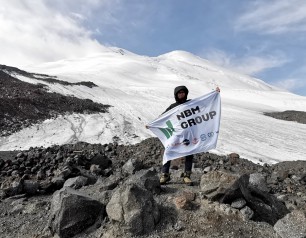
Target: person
x=180 y=95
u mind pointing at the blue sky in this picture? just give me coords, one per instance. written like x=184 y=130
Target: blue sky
x=262 y=38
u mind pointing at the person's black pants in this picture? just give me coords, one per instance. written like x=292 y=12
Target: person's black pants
x=188 y=164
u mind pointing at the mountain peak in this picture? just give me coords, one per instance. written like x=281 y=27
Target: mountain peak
x=139 y=89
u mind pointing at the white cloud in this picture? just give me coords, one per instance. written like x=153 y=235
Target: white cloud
x=87 y=9
x=274 y=17
x=291 y=84
x=49 y=30
x=295 y=82
x=34 y=32
x=250 y=65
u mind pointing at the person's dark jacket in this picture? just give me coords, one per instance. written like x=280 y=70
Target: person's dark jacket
x=177 y=101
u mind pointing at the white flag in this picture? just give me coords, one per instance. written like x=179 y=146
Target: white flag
x=189 y=128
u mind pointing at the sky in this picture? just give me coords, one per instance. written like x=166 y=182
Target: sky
x=261 y=38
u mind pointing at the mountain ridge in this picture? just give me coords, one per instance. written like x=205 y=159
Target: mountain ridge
x=139 y=88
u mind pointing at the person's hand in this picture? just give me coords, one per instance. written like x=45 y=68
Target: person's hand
x=218 y=89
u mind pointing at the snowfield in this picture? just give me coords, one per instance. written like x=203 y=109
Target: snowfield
x=140 y=88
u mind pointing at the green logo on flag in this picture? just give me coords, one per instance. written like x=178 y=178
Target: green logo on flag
x=169 y=130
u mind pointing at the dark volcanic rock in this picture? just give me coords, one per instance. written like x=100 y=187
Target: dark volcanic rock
x=72 y=212
x=291 y=115
x=227 y=188
x=42 y=77
x=292 y=225
x=134 y=208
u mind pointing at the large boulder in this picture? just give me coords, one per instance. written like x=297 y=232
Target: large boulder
x=76 y=182
x=12 y=188
x=215 y=184
x=227 y=188
x=134 y=208
x=109 y=183
x=293 y=225
x=146 y=179
x=72 y=212
x=258 y=180
x=131 y=166
x=102 y=161
x=30 y=187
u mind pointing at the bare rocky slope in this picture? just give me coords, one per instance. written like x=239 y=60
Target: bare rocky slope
x=290 y=115
x=112 y=190
x=24 y=104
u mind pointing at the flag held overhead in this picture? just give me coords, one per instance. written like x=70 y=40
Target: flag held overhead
x=189 y=128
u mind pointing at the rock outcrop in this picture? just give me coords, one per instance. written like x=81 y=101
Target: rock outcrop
x=73 y=212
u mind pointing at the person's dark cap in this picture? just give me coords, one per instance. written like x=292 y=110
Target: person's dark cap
x=179 y=88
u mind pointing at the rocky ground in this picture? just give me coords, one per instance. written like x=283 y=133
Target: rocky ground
x=111 y=174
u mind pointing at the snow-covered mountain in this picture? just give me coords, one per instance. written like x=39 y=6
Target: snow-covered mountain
x=140 y=88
